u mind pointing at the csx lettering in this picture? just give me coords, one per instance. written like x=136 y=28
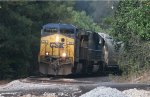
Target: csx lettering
x=57 y=45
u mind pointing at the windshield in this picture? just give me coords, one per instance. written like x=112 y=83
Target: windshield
x=54 y=30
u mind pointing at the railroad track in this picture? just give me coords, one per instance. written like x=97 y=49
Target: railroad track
x=59 y=80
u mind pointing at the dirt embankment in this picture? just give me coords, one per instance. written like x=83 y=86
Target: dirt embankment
x=134 y=78
x=144 y=78
x=3 y=82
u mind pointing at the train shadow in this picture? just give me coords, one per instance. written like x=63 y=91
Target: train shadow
x=85 y=75
x=100 y=74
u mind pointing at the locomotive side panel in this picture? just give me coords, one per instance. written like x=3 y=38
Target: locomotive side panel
x=90 y=53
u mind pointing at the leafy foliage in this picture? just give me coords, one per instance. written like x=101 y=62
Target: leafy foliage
x=131 y=25
x=83 y=21
x=131 y=19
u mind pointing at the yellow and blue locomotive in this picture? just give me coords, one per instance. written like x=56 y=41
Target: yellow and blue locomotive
x=67 y=50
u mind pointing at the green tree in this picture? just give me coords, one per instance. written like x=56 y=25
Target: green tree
x=131 y=25
x=132 y=17
x=81 y=20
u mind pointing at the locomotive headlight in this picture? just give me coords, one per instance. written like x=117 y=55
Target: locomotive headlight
x=47 y=53
x=64 y=54
x=57 y=38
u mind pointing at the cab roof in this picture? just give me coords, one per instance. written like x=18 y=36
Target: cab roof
x=58 y=26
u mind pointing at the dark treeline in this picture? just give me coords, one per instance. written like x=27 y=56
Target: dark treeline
x=20 y=25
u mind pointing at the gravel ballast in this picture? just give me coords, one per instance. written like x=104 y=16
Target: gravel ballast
x=136 y=93
x=65 y=90
x=18 y=88
x=112 y=92
x=104 y=92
